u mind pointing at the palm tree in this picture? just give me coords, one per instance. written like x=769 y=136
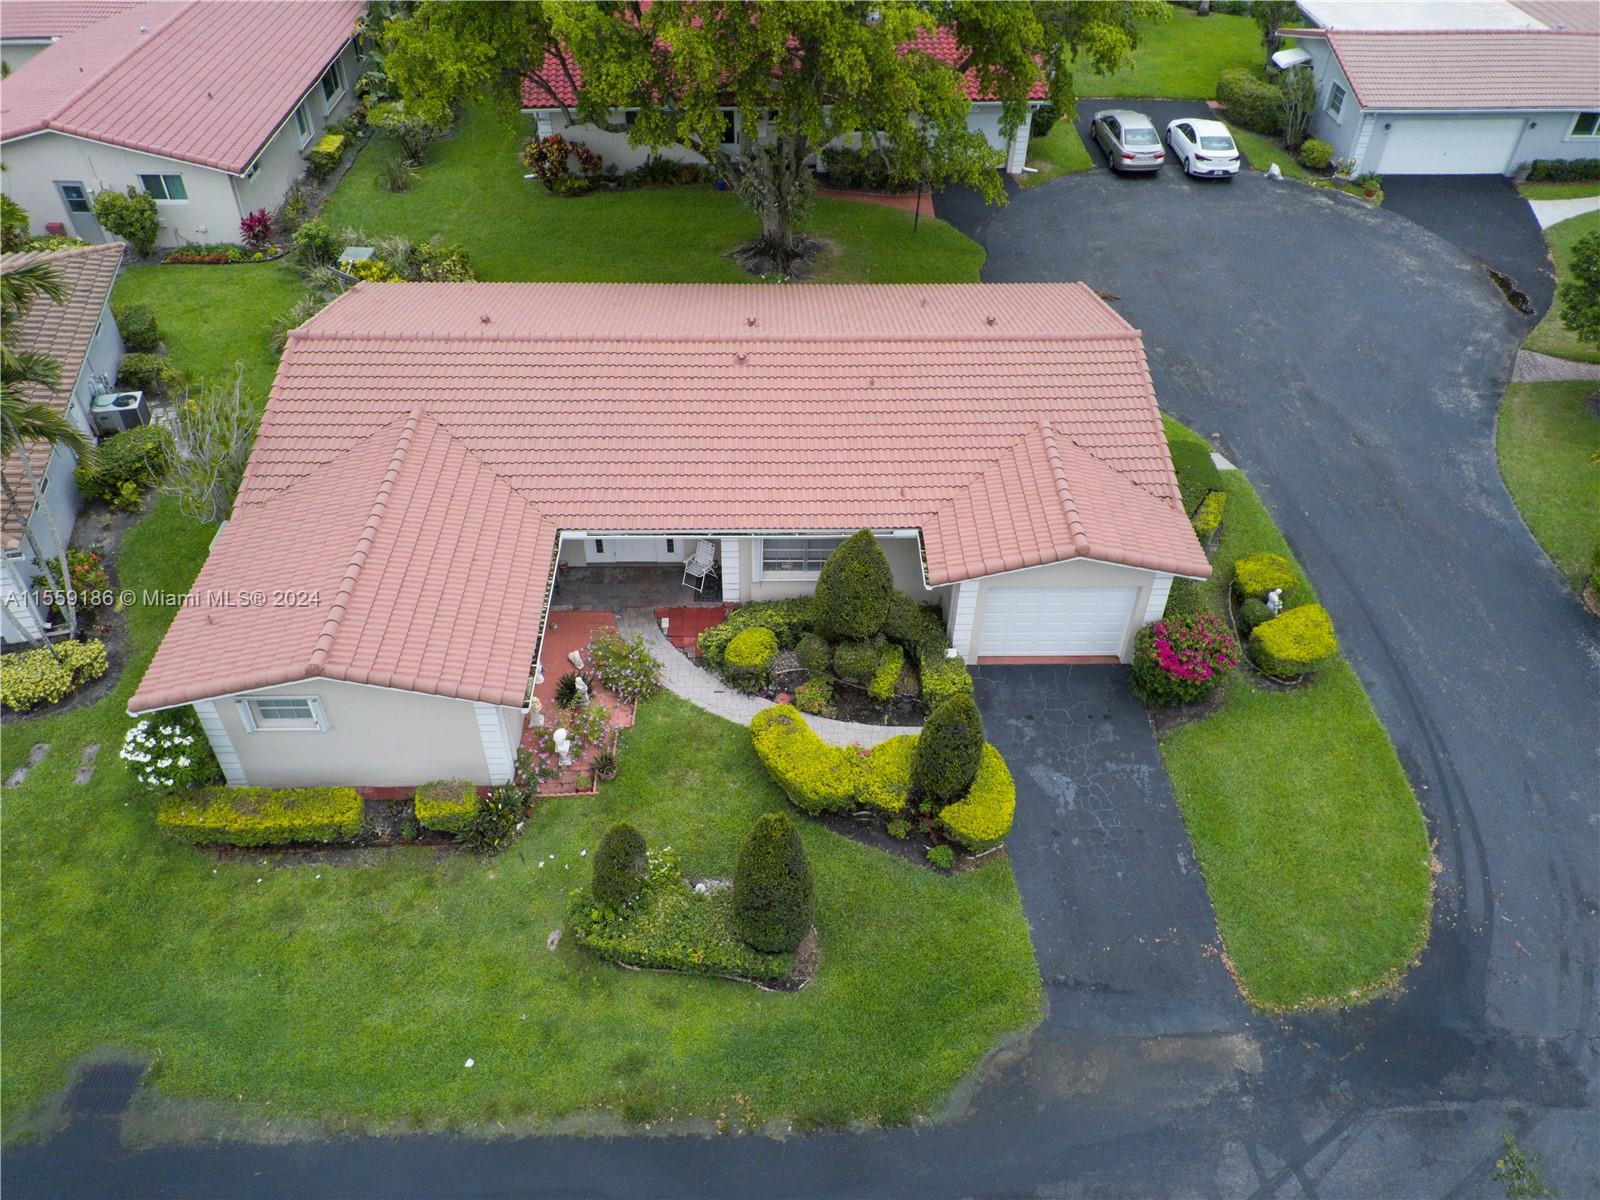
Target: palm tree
x=23 y=421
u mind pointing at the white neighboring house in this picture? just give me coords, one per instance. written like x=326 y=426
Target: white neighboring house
x=81 y=335
x=549 y=98
x=1479 y=88
x=207 y=107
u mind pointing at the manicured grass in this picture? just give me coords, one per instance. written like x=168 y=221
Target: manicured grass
x=1305 y=827
x=1559 y=191
x=1179 y=58
x=1060 y=152
x=1261 y=151
x=1550 y=336
x=353 y=993
x=472 y=192
x=1547 y=439
x=212 y=317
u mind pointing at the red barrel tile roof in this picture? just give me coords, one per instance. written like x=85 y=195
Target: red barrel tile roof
x=425 y=444
x=1469 y=69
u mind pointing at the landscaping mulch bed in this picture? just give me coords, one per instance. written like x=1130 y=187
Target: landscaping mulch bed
x=850 y=703
x=1168 y=718
x=866 y=828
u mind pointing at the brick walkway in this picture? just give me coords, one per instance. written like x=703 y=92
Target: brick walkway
x=1542 y=368
x=700 y=687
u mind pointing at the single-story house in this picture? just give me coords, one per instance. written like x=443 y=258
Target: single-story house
x=432 y=454
x=1478 y=89
x=28 y=26
x=81 y=335
x=551 y=95
x=207 y=107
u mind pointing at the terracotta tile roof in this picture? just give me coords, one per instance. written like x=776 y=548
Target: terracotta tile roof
x=940 y=43
x=1580 y=15
x=33 y=19
x=62 y=332
x=1470 y=69
x=204 y=82
x=1013 y=424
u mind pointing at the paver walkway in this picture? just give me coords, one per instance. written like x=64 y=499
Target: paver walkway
x=1544 y=368
x=1553 y=212
x=700 y=687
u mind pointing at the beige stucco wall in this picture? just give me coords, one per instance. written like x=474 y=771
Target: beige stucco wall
x=1075 y=573
x=376 y=737
x=282 y=162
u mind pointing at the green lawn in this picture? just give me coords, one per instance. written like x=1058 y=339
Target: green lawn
x=1550 y=336
x=353 y=994
x=1559 y=191
x=1261 y=151
x=1547 y=438
x=1060 y=152
x=1305 y=827
x=472 y=192
x=1180 y=58
x=212 y=317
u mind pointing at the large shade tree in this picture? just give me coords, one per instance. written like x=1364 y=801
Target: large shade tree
x=799 y=73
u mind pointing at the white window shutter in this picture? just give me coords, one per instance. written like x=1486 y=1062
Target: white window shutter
x=320 y=713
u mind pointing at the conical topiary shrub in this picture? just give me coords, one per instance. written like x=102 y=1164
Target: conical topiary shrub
x=948 y=752
x=772 y=896
x=618 y=865
x=851 y=601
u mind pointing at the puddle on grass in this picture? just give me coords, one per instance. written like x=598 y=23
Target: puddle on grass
x=1508 y=288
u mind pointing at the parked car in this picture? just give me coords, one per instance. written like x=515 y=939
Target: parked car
x=1203 y=147
x=1128 y=139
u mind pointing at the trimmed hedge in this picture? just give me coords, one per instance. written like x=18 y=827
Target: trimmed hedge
x=1555 y=170
x=886 y=780
x=982 y=819
x=1258 y=574
x=1251 y=101
x=137 y=456
x=1252 y=612
x=619 y=864
x=146 y=373
x=855 y=661
x=814 y=653
x=854 y=589
x=137 y=324
x=447 y=806
x=773 y=896
x=748 y=658
x=254 y=816
x=1315 y=153
x=1198 y=476
x=818 y=777
x=789 y=620
x=943 y=676
x=949 y=750
x=30 y=678
x=891 y=660
x=1208 y=517
x=1294 y=642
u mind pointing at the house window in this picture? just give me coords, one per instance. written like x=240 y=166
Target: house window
x=164 y=187
x=283 y=712
x=1586 y=125
x=332 y=85
x=1335 y=100
x=730 y=128
x=796 y=556
x=302 y=124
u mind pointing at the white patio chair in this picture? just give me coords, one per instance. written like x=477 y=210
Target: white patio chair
x=701 y=565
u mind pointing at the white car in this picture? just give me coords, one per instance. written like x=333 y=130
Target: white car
x=1203 y=147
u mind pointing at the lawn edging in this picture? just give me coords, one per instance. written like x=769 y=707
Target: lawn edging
x=1310 y=839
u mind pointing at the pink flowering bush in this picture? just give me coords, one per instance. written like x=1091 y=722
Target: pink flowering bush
x=1182 y=659
x=625 y=665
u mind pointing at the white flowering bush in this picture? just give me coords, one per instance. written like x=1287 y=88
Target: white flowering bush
x=170 y=752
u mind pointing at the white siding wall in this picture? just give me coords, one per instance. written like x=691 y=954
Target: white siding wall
x=221 y=744
x=282 y=162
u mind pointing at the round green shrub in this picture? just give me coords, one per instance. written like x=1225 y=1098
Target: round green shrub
x=1250 y=100
x=748 y=658
x=132 y=216
x=1178 y=660
x=942 y=857
x=948 y=752
x=619 y=865
x=137 y=324
x=1258 y=574
x=1316 y=154
x=1294 y=643
x=853 y=590
x=772 y=889
x=138 y=456
x=814 y=653
x=855 y=661
x=146 y=372
x=1252 y=612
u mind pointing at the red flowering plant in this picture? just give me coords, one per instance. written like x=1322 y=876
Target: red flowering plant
x=1182 y=658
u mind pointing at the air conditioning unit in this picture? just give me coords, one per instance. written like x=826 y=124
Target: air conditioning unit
x=112 y=412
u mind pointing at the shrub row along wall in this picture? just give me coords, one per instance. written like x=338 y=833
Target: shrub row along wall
x=250 y=816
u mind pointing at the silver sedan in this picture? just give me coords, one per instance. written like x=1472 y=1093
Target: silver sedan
x=1129 y=140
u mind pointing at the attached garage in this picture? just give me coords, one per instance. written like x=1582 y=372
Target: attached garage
x=1046 y=622
x=1449 y=145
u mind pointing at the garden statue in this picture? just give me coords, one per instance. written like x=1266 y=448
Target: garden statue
x=563 y=747
x=576 y=660
x=583 y=690
x=535 y=712
x=1275 y=601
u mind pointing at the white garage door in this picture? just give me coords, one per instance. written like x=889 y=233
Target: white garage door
x=1048 y=622
x=1462 y=146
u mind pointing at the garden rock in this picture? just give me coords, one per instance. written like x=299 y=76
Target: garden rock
x=35 y=757
x=86 y=764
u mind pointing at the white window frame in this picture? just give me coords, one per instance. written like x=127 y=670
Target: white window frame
x=331 y=101
x=758 y=564
x=166 y=196
x=303 y=127
x=251 y=718
x=1594 y=131
x=1337 y=95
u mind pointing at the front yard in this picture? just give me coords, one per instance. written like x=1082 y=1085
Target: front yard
x=1179 y=58
x=1312 y=844
x=1550 y=336
x=1548 y=436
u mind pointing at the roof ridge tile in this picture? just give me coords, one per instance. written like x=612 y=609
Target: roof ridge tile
x=1080 y=536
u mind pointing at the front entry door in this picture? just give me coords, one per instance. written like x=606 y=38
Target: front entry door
x=76 y=201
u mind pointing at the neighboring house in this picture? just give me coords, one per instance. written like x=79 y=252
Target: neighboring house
x=1481 y=88
x=548 y=97
x=81 y=335
x=208 y=107
x=28 y=26
x=431 y=453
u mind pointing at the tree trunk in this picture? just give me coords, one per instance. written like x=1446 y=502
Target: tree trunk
x=772 y=179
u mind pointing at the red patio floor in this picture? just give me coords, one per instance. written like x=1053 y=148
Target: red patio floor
x=684 y=625
x=568 y=630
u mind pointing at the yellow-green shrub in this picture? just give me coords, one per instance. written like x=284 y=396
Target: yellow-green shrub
x=983 y=817
x=886 y=779
x=252 y=816
x=36 y=677
x=816 y=776
x=748 y=658
x=1208 y=517
x=1258 y=574
x=943 y=676
x=447 y=806
x=1294 y=642
x=890 y=661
